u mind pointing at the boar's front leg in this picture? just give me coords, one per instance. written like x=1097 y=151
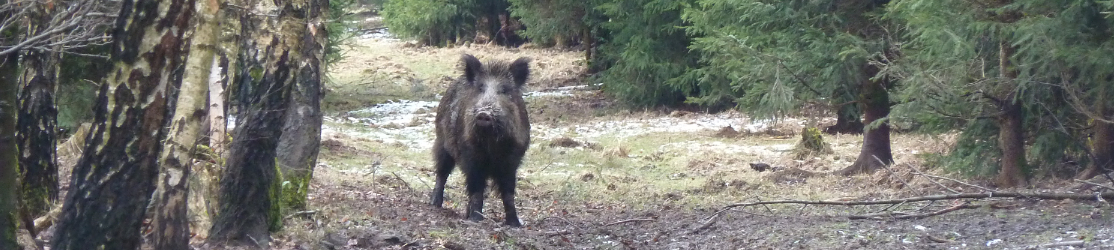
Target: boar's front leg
x=476 y=182
x=444 y=164
x=506 y=182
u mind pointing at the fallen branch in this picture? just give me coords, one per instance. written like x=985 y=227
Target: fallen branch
x=627 y=221
x=310 y=212
x=987 y=195
x=707 y=223
x=937 y=239
x=901 y=216
x=1096 y=184
x=1089 y=197
x=1074 y=243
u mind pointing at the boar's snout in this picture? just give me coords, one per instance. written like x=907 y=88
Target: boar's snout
x=485 y=118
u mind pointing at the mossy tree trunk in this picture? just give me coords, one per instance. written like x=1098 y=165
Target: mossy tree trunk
x=171 y=220
x=9 y=153
x=250 y=191
x=875 y=153
x=38 y=120
x=113 y=181
x=1011 y=138
x=301 y=133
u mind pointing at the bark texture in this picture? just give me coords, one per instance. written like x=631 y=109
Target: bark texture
x=38 y=121
x=113 y=181
x=875 y=152
x=1011 y=137
x=249 y=186
x=9 y=154
x=301 y=132
x=171 y=220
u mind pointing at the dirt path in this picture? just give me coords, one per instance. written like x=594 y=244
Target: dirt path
x=599 y=176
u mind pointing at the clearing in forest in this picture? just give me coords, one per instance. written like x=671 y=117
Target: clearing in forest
x=599 y=175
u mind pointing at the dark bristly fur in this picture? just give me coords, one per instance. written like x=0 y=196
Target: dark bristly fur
x=483 y=127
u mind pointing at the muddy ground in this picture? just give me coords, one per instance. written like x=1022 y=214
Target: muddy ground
x=602 y=176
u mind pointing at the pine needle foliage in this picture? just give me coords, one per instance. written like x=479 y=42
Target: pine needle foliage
x=432 y=22
x=771 y=57
x=952 y=80
x=644 y=50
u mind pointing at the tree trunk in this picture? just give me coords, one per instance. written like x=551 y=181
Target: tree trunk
x=301 y=133
x=875 y=152
x=847 y=122
x=1102 y=141
x=38 y=120
x=171 y=221
x=205 y=178
x=218 y=125
x=1011 y=138
x=9 y=153
x=112 y=182
x=250 y=186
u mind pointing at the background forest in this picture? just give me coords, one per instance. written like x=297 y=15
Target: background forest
x=305 y=124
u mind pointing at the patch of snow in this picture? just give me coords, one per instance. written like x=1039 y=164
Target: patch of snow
x=404 y=122
x=993 y=242
x=629 y=127
x=561 y=91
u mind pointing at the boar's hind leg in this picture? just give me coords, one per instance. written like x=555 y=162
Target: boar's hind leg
x=506 y=182
x=444 y=166
x=476 y=182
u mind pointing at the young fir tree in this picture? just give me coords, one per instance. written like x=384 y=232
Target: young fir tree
x=987 y=65
x=770 y=58
x=642 y=48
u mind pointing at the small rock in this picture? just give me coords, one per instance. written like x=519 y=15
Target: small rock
x=760 y=167
x=679 y=113
x=564 y=142
x=587 y=177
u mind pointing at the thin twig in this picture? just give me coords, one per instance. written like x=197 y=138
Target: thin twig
x=309 y=212
x=1096 y=184
x=918 y=172
x=894 y=174
x=628 y=221
x=403 y=181
x=958 y=181
x=707 y=223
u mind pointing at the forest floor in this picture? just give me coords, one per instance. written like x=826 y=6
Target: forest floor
x=599 y=175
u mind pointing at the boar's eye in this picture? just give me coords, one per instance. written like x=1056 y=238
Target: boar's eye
x=505 y=89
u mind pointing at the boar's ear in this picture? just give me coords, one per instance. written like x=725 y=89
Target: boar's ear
x=520 y=69
x=472 y=67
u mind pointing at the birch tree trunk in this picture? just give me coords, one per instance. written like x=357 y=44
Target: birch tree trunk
x=112 y=183
x=171 y=222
